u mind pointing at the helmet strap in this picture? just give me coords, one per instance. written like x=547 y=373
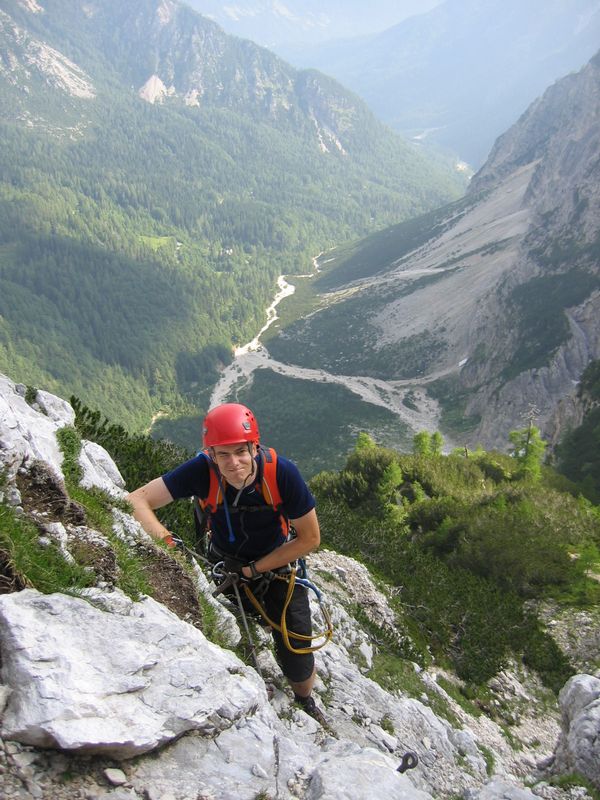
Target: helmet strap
x=249 y=477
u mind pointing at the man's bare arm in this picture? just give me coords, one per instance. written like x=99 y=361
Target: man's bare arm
x=144 y=500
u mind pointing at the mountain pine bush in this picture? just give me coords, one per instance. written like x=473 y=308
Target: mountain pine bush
x=473 y=539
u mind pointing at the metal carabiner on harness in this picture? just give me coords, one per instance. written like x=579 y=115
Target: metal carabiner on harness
x=223 y=579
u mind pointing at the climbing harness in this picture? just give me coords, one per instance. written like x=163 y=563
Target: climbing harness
x=232 y=579
x=227 y=580
x=281 y=627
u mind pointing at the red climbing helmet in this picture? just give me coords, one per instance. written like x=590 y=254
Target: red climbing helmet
x=229 y=423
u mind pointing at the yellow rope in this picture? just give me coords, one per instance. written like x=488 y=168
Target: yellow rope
x=285 y=634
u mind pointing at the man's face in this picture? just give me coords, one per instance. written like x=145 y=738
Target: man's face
x=235 y=461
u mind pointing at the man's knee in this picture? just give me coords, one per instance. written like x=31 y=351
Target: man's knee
x=297 y=667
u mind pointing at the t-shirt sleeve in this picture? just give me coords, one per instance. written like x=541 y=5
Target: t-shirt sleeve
x=296 y=496
x=189 y=479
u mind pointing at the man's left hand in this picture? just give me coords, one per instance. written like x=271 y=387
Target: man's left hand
x=231 y=564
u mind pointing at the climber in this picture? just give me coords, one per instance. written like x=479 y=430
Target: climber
x=249 y=536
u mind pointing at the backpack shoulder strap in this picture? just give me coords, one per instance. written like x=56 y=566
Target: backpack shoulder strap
x=267 y=479
x=269 y=486
x=215 y=489
x=270 y=489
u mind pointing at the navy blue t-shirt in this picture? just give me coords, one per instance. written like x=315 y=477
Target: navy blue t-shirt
x=254 y=533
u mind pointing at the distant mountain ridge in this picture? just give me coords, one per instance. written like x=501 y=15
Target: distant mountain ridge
x=277 y=23
x=462 y=73
x=168 y=42
x=153 y=162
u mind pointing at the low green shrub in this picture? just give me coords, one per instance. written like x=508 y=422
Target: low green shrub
x=575 y=780
x=468 y=548
x=542 y=654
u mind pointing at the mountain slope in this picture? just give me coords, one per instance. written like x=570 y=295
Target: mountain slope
x=157 y=175
x=460 y=74
x=490 y=306
x=114 y=649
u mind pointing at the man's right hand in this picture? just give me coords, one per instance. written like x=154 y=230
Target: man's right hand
x=173 y=541
x=231 y=564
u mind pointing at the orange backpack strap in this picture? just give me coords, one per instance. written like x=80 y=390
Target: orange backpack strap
x=215 y=489
x=270 y=489
x=269 y=486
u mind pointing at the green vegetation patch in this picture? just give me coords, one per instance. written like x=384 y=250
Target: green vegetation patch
x=453 y=401
x=131 y=566
x=537 y=313
x=314 y=423
x=341 y=340
x=590 y=382
x=25 y=562
x=396 y=675
x=579 y=451
x=157 y=242
x=574 y=781
x=467 y=540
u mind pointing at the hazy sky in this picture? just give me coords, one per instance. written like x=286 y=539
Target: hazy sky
x=276 y=23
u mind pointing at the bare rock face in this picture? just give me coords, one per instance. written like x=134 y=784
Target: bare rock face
x=100 y=674
x=100 y=470
x=18 y=420
x=33 y=57
x=153 y=678
x=551 y=389
x=28 y=439
x=560 y=137
x=154 y=90
x=578 y=748
x=558 y=131
x=499 y=789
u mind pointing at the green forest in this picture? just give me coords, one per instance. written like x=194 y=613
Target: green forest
x=139 y=243
x=113 y=285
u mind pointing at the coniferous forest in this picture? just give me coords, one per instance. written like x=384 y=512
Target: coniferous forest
x=139 y=242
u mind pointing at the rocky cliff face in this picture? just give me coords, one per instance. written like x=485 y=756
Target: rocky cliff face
x=496 y=314
x=560 y=137
x=25 y=57
x=103 y=696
